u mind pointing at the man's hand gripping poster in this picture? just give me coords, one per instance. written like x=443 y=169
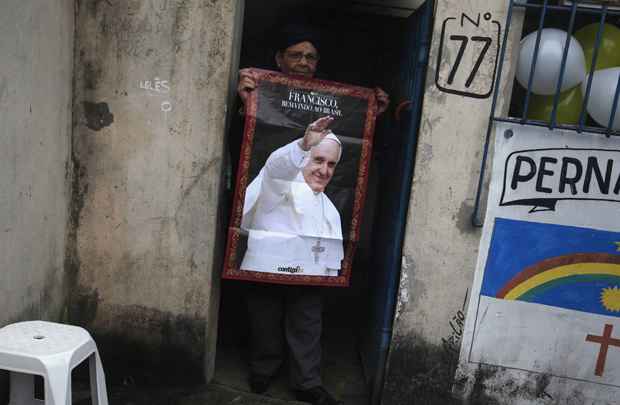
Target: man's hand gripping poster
x=301 y=181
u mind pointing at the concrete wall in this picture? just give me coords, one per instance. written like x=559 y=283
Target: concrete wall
x=441 y=245
x=36 y=60
x=151 y=85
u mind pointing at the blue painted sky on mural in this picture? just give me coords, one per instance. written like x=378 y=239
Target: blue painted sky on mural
x=517 y=245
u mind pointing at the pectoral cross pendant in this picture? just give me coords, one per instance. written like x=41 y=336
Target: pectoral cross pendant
x=317 y=249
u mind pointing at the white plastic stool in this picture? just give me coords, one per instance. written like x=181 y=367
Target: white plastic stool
x=51 y=350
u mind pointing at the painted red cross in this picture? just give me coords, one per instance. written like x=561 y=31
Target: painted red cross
x=605 y=341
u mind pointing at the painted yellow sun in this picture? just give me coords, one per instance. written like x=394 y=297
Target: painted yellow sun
x=610 y=297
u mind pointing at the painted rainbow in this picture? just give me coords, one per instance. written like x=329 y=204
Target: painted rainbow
x=555 y=271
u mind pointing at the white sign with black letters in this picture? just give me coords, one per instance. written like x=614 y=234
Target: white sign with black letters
x=542 y=177
x=565 y=167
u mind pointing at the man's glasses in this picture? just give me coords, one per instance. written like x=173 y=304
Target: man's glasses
x=296 y=56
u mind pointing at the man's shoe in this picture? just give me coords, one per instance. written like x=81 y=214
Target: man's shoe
x=317 y=396
x=259 y=383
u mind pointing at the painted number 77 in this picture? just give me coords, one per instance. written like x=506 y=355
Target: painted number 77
x=464 y=41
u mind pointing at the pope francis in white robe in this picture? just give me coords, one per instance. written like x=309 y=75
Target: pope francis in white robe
x=293 y=227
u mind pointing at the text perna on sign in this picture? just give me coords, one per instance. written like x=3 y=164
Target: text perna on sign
x=541 y=177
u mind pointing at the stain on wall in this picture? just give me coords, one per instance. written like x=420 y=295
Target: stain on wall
x=97 y=115
x=163 y=348
x=490 y=385
x=421 y=371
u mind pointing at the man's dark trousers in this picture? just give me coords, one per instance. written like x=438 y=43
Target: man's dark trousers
x=282 y=314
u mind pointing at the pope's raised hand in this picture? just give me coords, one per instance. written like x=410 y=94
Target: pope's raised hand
x=315 y=132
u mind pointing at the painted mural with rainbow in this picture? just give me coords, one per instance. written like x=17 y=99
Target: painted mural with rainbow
x=545 y=299
x=557 y=265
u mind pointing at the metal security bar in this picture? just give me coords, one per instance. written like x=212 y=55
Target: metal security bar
x=603 y=11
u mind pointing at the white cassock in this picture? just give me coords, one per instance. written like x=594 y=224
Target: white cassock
x=292 y=230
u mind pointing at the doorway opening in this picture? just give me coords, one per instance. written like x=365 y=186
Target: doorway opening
x=372 y=46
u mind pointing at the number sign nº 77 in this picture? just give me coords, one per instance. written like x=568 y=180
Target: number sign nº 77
x=468 y=55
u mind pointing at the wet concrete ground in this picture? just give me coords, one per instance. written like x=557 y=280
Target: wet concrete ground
x=341 y=376
x=230 y=386
x=212 y=394
x=220 y=395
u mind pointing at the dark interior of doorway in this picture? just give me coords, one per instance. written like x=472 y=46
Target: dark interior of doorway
x=360 y=49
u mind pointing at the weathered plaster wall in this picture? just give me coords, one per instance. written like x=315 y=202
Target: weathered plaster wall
x=441 y=245
x=150 y=103
x=36 y=60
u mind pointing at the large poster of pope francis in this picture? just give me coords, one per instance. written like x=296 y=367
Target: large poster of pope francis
x=301 y=181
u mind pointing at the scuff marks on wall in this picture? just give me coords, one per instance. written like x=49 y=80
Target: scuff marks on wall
x=403 y=287
x=463 y=219
x=425 y=372
x=75 y=173
x=425 y=153
x=491 y=385
x=3 y=88
x=181 y=31
x=199 y=189
x=92 y=73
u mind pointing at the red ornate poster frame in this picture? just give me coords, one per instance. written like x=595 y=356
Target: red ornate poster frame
x=231 y=268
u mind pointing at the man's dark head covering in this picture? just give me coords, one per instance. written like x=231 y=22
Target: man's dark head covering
x=294 y=33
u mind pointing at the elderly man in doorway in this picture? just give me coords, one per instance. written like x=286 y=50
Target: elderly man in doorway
x=297 y=308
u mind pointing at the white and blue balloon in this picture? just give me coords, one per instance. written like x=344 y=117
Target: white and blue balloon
x=547 y=73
